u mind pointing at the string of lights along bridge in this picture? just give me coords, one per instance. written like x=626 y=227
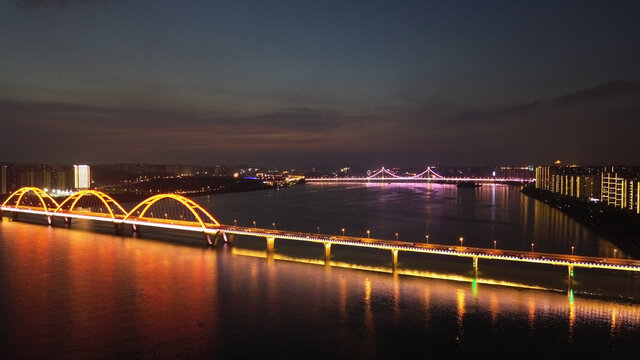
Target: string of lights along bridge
x=172 y=211
x=429 y=175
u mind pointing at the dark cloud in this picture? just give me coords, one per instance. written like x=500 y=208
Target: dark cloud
x=102 y=133
x=594 y=131
x=32 y=4
x=609 y=89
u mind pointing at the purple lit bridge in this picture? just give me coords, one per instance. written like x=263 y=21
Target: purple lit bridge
x=172 y=211
x=430 y=176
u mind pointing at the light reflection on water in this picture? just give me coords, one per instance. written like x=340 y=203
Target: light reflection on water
x=74 y=293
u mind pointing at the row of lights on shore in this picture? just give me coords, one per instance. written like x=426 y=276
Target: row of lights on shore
x=461 y=239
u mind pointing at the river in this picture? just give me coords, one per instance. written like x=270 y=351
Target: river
x=74 y=293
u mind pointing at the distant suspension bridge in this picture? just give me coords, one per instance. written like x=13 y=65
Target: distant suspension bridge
x=428 y=175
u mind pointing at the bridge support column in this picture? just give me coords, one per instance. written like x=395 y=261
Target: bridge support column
x=135 y=228
x=67 y=221
x=49 y=220
x=475 y=266
x=210 y=242
x=15 y=216
x=118 y=228
x=394 y=259
x=570 y=275
x=228 y=238
x=271 y=244
x=327 y=251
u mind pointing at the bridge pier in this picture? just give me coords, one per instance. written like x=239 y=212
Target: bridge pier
x=118 y=228
x=227 y=238
x=49 y=220
x=570 y=274
x=270 y=244
x=475 y=266
x=394 y=259
x=327 y=251
x=216 y=238
x=67 y=221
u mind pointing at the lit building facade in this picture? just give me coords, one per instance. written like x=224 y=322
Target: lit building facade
x=621 y=190
x=615 y=187
x=82 y=176
x=569 y=180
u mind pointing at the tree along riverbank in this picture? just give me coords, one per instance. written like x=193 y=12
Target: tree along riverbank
x=620 y=226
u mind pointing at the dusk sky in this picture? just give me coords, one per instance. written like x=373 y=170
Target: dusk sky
x=320 y=83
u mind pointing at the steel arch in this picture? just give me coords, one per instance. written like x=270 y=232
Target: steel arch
x=41 y=194
x=107 y=200
x=188 y=203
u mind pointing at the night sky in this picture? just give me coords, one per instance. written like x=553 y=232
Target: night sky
x=320 y=83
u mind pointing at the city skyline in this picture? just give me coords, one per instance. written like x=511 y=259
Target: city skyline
x=306 y=84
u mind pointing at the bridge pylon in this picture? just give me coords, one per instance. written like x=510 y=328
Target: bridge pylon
x=271 y=244
x=475 y=266
x=327 y=251
x=394 y=259
x=570 y=275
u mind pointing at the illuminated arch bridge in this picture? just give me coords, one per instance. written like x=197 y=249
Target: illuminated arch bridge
x=164 y=210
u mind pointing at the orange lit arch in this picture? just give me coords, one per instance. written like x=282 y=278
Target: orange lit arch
x=188 y=203
x=41 y=194
x=107 y=200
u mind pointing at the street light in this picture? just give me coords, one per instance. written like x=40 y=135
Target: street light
x=342 y=231
x=461 y=239
x=254 y=223
x=318 y=227
x=235 y=222
x=274 y=225
x=396 y=236
x=531 y=247
x=494 y=244
x=427 y=237
x=614 y=252
x=572 y=250
x=368 y=233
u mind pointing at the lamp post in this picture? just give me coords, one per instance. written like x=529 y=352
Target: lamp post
x=254 y=223
x=494 y=244
x=342 y=231
x=461 y=240
x=235 y=222
x=318 y=228
x=532 y=247
x=368 y=233
x=427 y=237
x=614 y=252
x=396 y=236
x=274 y=225
x=572 y=250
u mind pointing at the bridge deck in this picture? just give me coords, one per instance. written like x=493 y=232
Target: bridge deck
x=449 y=250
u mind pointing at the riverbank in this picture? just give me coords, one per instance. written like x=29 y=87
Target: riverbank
x=619 y=226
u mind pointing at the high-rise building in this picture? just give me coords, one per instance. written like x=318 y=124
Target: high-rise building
x=613 y=189
x=82 y=176
x=575 y=181
x=3 y=179
x=621 y=188
x=60 y=182
x=45 y=180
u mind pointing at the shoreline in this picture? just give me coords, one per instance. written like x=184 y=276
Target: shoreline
x=619 y=226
